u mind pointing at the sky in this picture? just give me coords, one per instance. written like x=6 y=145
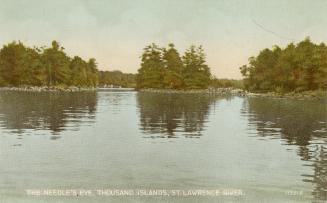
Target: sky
x=115 y=31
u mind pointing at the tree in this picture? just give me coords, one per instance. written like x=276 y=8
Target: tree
x=304 y=58
x=78 y=67
x=20 y=65
x=11 y=63
x=173 y=78
x=92 y=72
x=297 y=67
x=57 y=64
x=196 y=73
x=320 y=56
x=152 y=71
x=117 y=78
x=164 y=68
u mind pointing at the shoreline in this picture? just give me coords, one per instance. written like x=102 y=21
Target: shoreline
x=47 y=89
x=318 y=95
x=218 y=91
x=307 y=95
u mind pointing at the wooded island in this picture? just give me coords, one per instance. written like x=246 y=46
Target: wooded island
x=296 y=68
x=164 y=68
x=46 y=66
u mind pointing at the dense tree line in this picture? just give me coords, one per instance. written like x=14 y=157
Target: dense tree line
x=226 y=83
x=164 y=68
x=117 y=78
x=298 y=67
x=21 y=65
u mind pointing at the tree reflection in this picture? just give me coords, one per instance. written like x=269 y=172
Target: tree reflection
x=21 y=111
x=171 y=114
x=301 y=123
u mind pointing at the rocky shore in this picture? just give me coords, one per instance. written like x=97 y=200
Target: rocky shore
x=211 y=91
x=47 y=89
x=243 y=93
x=218 y=91
x=315 y=95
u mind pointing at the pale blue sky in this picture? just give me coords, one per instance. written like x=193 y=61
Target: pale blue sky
x=115 y=32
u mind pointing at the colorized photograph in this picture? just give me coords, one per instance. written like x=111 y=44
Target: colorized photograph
x=170 y=101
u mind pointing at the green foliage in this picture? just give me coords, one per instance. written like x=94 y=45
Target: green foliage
x=117 y=78
x=173 y=77
x=21 y=65
x=56 y=63
x=164 y=68
x=299 y=67
x=225 y=83
x=152 y=71
x=196 y=72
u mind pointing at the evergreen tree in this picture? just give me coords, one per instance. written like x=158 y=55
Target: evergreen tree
x=196 y=73
x=173 y=78
x=152 y=71
x=164 y=68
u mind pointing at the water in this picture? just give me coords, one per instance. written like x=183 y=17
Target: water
x=273 y=150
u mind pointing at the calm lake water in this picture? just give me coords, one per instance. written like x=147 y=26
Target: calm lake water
x=272 y=150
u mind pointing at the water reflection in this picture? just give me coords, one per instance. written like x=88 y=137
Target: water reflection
x=301 y=123
x=171 y=115
x=24 y=111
